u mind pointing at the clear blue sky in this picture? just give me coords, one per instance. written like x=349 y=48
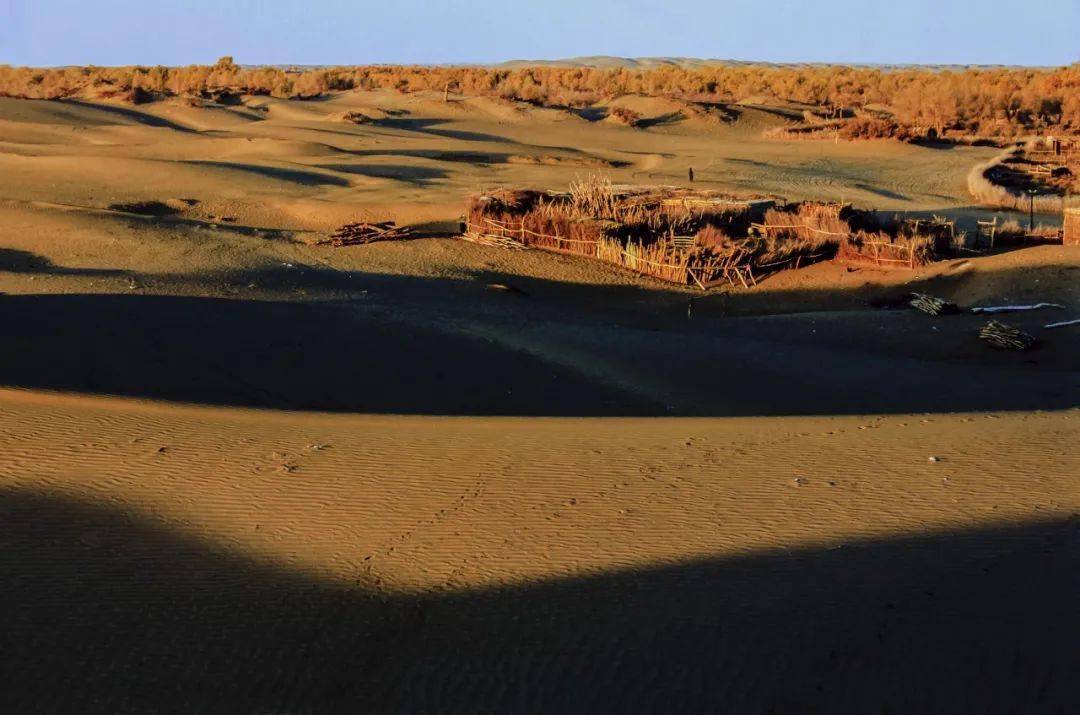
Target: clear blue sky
x=116 y=32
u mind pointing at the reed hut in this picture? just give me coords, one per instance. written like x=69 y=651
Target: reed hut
x=1071 y=234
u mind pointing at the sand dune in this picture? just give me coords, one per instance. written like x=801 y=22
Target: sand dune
x=728 y=155
x=242 y=471
x=502 y=561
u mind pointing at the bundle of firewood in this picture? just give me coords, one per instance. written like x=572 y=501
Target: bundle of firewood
x=1005 y=337
x=352 y=234
x=932 y=305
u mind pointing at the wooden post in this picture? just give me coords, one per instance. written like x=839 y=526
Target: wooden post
x=1070 y=232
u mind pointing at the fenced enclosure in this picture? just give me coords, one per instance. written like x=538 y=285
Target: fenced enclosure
x=699 y=238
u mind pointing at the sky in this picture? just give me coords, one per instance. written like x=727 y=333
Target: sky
x=175 y=32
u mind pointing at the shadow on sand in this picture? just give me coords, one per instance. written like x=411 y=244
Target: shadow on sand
x=110 y=611
x=130 y=114
x=13 y=260
x=374 y=343
x=294 y=176
x=435 y=128
x=419 y=176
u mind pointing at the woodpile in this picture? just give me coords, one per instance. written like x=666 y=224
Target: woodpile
x=353 y=234
x=1006 y=337
x=932 y=305
x=488 y=233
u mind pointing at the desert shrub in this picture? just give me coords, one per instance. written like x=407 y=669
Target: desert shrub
x=870 y=127
x=310 y=85
x=622 y=115
x=999 y=102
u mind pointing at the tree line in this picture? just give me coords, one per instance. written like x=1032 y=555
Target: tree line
x=984 y=101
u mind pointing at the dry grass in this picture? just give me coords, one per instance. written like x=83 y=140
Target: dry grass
x=808 y=222
x=888 y=251
x=594 y=197
x=1013 y=233
x=817 y=130
x=860 y=236
x=867 y=237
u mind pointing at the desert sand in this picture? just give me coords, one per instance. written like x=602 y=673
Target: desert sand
x=242 y=472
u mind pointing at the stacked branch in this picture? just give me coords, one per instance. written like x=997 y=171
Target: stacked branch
x=932 y=305
x=1005 y=337
x=352 y=234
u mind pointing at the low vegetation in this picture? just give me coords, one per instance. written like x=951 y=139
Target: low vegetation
x=864 y=126
x=622 y=115
x=984 y=102
x=871 y=127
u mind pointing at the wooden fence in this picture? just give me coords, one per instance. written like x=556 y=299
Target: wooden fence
x=881 y=253
x=638 y=258
x=767 y=228
x=670 y=261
